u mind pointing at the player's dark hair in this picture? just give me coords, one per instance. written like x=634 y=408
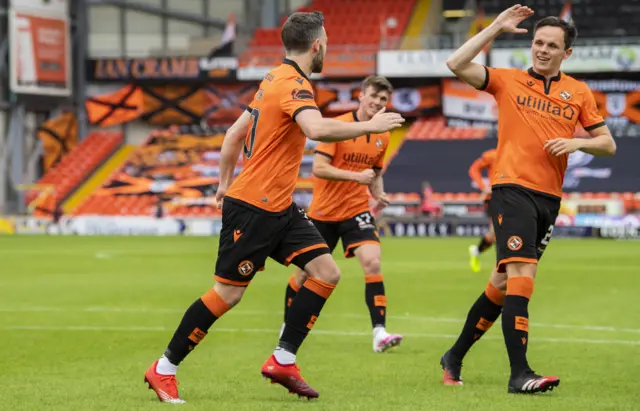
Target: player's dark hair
x=570 y=31
x=301 y=30
x=379 y=83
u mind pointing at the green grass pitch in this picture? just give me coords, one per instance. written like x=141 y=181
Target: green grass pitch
x=81 y=319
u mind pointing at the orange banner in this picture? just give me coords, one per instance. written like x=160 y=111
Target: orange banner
x=225 y=102
x=174 y=104
x=39 y=55
x=617 y=104
x=58 y=136
x=169 y=166
x=349 y=61
x=116 y=108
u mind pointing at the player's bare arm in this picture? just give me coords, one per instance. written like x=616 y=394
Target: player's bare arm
x=377 y=188
x=318 y=128
x=600 y=143
x=460 y=62
x=229 y=152
x=323 y=169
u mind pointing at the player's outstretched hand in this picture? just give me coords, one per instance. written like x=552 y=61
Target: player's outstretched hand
x=382 y=121
x=509 y=19
x=560 y=146
x=366 y=176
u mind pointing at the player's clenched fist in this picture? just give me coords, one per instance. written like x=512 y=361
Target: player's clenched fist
x=366 y=176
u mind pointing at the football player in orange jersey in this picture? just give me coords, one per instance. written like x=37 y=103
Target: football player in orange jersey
x=260 y=219
x=340 y=205
x=538 y=111
x=486 y=161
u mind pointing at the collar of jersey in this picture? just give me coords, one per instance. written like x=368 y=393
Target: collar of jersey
x=295 y=66
x=538 y=76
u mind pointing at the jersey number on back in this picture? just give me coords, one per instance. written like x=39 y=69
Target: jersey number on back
x=251 y=138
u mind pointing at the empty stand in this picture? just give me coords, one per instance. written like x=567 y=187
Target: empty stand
x=436 y=129
x=351 y=21
x=78 y=165
x=353 y=27
x=593 y=18
x=178 y=171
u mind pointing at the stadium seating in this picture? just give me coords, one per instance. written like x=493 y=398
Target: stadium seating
x=375 y=19
x=178 y=169
x=594 y=18
x=436 y=129
x=77 y=165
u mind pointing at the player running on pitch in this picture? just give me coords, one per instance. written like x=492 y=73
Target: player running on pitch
x=340 y=205
x=259 y=218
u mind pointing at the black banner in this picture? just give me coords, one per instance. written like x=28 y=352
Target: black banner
x=162 y=69
x=444 y=228
x=445 y=165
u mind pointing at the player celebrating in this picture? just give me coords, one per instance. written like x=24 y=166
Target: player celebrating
x=485 y=161
x=539 y=109
x=340 y=204
x=259 y=219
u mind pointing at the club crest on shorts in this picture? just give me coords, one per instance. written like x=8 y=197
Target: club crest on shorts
x=245 y=268
x=565 y=95
x=514 y=243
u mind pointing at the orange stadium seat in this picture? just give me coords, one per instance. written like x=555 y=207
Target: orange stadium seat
x=182 y=169
x=435 y=128
x=77 y=165
x=339 y=15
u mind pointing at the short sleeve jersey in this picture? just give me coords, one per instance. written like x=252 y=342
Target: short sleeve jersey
x=274 y=145
x=531 y=112
x=340 y=200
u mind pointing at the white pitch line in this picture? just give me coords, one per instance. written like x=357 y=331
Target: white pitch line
x=256 y=313
x=274 y=332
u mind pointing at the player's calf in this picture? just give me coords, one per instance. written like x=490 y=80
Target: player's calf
x=301 y=317
x=194 y=326
x=306 y=306
x=483 y=313
x=515 y=315
x=375 y=297
x=293 y=287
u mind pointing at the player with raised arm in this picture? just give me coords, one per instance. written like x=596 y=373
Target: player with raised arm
x=259 y=218
x=485 y=162
x=539 y=109
x=340 y=205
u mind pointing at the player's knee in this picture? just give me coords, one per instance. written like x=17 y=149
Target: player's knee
x=499 y=280
x=329 y=273
x=300 y=277
x=522 y=270
x=231 y=294
x=371 y=265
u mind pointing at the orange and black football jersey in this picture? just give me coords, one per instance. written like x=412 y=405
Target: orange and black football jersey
x=274 y=146
x=486 y=161
x=340 y=200
x=530 y=113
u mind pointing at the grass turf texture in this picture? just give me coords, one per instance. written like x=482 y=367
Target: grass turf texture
x=82 y=318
